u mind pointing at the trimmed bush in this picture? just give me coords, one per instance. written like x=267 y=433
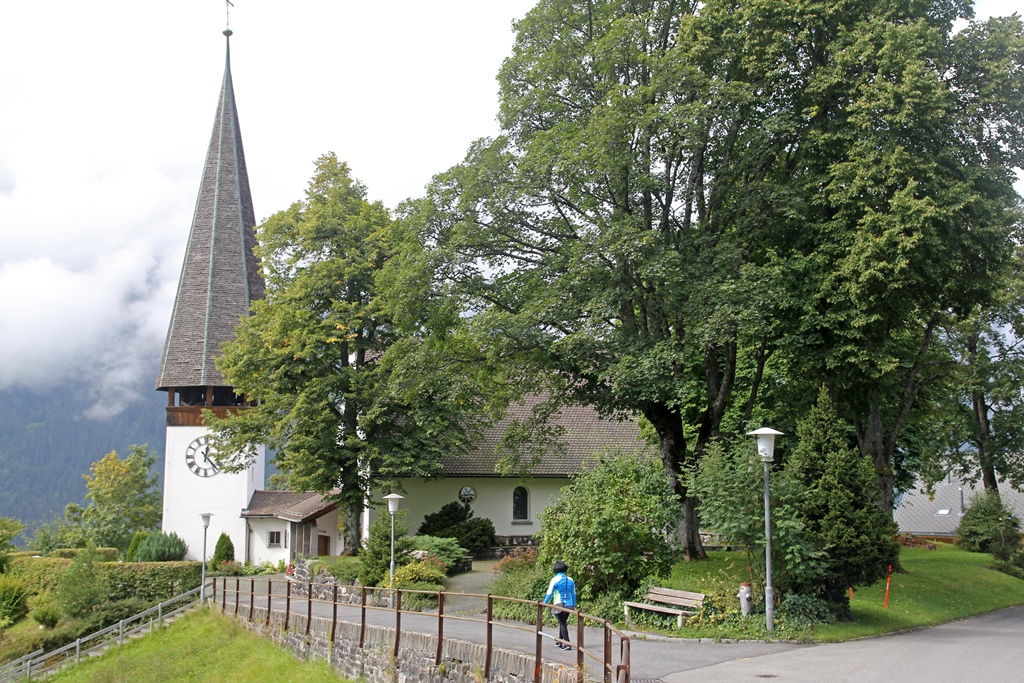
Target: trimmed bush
x=13 y=598
x=161 y=547
x=133 y=549
x=447 y=549
x=455 y=520
x=224 y=552
x=428 y=570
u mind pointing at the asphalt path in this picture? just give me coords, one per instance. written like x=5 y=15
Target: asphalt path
x=986 y=648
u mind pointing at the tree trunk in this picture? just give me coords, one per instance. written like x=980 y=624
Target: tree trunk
x=672 y=447
x=353 y=528
x=871 y=438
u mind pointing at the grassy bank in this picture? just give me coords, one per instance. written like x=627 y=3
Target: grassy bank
x=201 y=648
x=936 y=586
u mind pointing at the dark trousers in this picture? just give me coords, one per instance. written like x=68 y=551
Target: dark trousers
x=563 y=624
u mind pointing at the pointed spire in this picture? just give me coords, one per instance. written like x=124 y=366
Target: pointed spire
x=220 y=276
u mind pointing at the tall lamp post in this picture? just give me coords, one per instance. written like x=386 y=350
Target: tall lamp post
x=202 y=583
x=766 y=450
x=392 y=499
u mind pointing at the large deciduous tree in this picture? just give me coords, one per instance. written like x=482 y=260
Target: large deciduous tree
x=124 y=497
x=332 y=373
x=682 y=190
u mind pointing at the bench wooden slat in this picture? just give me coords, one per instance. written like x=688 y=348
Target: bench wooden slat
x=668 y=596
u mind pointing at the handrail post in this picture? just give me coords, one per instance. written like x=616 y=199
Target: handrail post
x=78 y=651
x=540 y=644
x=440 y=628
x=215 y=588
x=223 y=593
x=362 y=616
x=489 y=649
x=238 y=592
x=270 y=595
x=252 y=595
x=120 y=632
x=608 y=653
x=397 y=597
x=334 y=616
x=287 y=603
x=309 y=608
x=579 y=646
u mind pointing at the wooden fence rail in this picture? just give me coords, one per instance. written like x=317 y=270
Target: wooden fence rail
x=232 y=593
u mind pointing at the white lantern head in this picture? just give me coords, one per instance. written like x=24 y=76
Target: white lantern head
x=206 y=518
x=392 y=499
x=765 y=442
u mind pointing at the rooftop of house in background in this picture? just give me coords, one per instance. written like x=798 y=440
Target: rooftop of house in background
x=939 y=514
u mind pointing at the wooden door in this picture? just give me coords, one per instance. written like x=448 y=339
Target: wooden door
x=323 y=545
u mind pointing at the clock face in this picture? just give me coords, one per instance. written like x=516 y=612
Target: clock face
x=199 y=458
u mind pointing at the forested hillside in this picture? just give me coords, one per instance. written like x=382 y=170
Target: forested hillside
x=46 y=445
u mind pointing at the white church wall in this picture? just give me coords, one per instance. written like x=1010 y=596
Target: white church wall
x=493 y=500
x=187 y=496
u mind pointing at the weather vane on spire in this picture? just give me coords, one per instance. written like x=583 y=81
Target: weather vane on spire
x=227 y=11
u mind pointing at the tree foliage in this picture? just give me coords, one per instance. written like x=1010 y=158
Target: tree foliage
x=689 y=199
x=124 y=498
x=837 y=509
x=344 y=393
x=376 y=556
x=224 y=551
x=730 y=485
x=988 y=526
x=83 y=586
x=612 y=525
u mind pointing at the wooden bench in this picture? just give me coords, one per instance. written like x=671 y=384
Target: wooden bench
x=690 y=602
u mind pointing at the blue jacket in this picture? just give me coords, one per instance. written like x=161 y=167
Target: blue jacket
x=563 y=590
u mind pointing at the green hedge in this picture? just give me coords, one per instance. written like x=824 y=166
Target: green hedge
x=41 y=573
x=151 y=580
x=104 y=554
x=144 y=580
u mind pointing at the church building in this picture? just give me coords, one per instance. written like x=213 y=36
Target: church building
x=220 y=278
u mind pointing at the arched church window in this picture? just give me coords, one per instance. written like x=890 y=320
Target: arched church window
x=520 y=504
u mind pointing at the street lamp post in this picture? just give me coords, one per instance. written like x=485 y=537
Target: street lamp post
x=202 y=584
x=766 y=450
x=392 y=499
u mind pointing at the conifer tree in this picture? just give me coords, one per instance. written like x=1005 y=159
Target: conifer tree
x=839 y=513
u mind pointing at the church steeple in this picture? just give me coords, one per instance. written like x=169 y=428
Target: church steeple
x=220 y=276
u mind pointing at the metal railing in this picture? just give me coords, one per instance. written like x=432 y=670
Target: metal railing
x=38 y=663
x=241 y=597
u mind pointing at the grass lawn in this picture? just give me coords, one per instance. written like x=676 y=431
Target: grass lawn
x=937 y=586
x=201 y=648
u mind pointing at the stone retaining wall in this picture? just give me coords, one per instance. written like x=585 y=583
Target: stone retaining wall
x=461 y=662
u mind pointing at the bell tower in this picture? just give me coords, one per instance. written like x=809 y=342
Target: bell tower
x=220 y=278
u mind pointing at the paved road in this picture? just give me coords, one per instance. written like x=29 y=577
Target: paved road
x=986 y=648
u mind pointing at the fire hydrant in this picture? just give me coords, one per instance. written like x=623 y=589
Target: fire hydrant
x=746 y=596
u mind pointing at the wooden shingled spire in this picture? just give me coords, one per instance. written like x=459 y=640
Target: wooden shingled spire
x=220 y=276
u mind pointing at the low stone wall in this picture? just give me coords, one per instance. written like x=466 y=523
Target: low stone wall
x=461 y=662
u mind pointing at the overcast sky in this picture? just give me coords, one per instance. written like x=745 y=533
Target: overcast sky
x=106 y=108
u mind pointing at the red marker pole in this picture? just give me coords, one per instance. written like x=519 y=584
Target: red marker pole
x=888 y=582
x=851 y=592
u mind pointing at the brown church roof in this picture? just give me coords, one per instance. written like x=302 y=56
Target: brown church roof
x=585 y=435
x=220 y=276
x=293 y=506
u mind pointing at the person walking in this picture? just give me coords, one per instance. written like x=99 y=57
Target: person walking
x=562 y=594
